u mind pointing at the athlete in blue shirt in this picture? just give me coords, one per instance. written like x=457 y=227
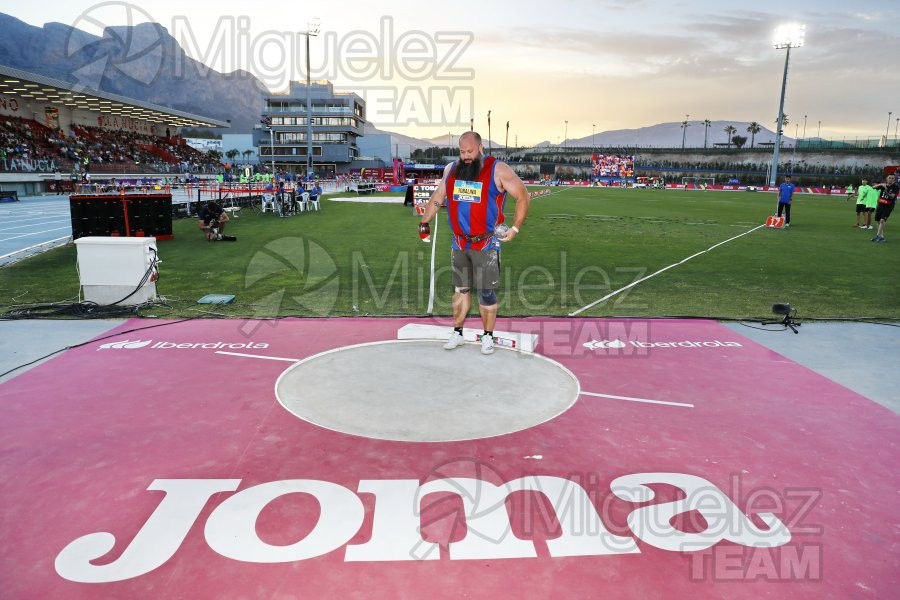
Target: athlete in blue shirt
x=785 y=195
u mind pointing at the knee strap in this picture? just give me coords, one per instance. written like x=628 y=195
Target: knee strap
x=488 y=298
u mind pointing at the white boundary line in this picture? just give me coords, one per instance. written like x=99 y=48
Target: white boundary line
x=430 y=309
x=642 y=279
x=63 y=240
x=33 y=233
x=257 y=356
x=682 y=404
x=334 y=350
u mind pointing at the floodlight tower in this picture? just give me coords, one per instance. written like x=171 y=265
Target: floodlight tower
x=312 y=30
x=787 y=37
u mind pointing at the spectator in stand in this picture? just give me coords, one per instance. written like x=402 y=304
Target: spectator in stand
x=785 y=196
x=886 y=202
x=862 y=192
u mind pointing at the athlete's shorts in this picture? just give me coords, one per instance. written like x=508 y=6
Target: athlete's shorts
x=479 y=269
x=860 y=208
x=883 y=211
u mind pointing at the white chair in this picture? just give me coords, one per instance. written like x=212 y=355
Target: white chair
x=303 y=202
x=233 y=209
x=268 y=203
x=313 y=202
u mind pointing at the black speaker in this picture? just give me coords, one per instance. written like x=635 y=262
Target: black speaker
x=134 y=215
x=150 y=215
x=96 y=215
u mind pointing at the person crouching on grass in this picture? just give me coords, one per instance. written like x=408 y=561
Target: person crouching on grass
x=212 y=222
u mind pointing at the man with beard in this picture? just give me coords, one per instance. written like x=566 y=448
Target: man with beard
x=475 y=188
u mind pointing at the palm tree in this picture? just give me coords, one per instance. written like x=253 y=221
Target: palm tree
x=753 y=129
x=784 y=122
x=706 y=124
x=232 y=154
x=684 y=125
x=779 y=130
x=730 y=130
x=247 y=154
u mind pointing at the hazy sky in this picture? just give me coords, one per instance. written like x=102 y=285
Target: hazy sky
x=426 y=68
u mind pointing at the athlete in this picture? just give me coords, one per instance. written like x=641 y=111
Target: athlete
x=785 y=196
x=862 y=211
x=475 y=189
x=886 y=202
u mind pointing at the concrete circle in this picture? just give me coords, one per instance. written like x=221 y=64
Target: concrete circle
x=415 y=391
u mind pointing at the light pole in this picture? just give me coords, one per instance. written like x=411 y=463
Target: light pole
x=819 y=130
x=267 y=123
x=272 y=148
x=312 y=30
x=804 y=127
x=490 y=145
x=896 y=125
x=787 y=37
x=794 y=153
x=887 y=131
x=506 y=143
x=593 y=131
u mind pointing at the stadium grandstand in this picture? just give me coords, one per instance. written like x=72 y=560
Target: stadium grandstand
x=49 y=126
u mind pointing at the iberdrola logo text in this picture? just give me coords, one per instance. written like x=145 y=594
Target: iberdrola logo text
x=131 y=345
x=618 y=344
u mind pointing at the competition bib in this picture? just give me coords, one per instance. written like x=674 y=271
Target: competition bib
x=467 y=191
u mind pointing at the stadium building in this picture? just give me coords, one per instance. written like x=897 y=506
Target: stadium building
x=337 y=122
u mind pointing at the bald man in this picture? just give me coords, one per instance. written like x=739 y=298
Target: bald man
x=475 y=188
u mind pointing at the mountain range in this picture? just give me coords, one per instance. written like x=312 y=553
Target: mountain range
x=661 y=135
x=146 y=63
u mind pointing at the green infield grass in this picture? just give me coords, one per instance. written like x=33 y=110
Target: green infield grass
x=577 y=246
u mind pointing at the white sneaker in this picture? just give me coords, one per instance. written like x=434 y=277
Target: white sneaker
x=487 y=344
x=455 y=341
